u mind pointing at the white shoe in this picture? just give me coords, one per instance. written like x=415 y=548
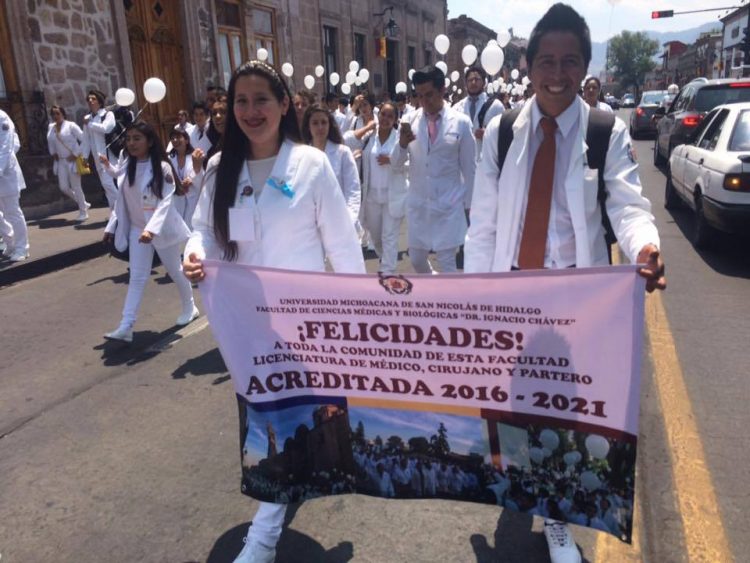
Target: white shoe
x=254 y=552
x=88 y=206
x=19 y=256
x=562 y=546
x=187 y=318
x=123 y=333
x=82 y=216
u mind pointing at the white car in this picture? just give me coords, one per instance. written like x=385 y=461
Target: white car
x=711 y=173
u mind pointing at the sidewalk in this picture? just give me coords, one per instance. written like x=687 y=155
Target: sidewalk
x=56 y=242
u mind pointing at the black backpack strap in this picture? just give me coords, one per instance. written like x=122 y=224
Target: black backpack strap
x=505 y=136
x=598 y=133
x=483 y=111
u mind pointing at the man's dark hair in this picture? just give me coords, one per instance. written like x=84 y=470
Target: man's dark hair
x=344 y=101
x=202 y=106
x=478 y=69
x=560 y=17
x=98 y=94
x=330 y=96
x=429 y=74
x=400 y=97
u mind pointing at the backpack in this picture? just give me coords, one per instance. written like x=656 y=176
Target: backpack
x=483 y=111
x=598 y=132
x=115 y=139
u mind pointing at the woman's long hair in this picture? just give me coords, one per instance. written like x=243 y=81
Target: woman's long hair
x=334 y=133
x=235 y=148
x=156 y=155
x=188 y=147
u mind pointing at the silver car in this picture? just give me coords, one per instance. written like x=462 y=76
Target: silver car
x=640 y=118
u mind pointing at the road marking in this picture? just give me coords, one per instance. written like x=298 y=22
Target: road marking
x=703 y=530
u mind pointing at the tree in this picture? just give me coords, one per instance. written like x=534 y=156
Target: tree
x=359 y=434
x=439 y=441
x=630 y=57
x=395 y=444
x=419 y=445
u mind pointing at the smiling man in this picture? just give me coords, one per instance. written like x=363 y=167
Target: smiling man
x=544 y=172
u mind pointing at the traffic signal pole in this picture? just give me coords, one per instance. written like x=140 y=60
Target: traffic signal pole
x=658 y=14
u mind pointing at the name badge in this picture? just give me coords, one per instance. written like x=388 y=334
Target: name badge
x=241 y=224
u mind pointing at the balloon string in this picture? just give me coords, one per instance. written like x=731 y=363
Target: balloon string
x=137 y=115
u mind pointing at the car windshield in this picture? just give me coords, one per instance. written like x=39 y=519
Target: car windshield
x=741 y=135
x=627 y=97
x=652 y=98
x=709 y=97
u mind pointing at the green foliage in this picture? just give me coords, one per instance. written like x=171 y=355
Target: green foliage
x=439 y=442
x=630 y=57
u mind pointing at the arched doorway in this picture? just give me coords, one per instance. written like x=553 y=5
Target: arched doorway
x=155 y=47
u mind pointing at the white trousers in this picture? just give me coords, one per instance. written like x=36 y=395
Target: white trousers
x=186 y=204
x=10 y=207
x=6 y=230
x=70 y=183
x=141 y=258
x=108 y=183
x=446 y=260
x=384 y=231
x=267 y=523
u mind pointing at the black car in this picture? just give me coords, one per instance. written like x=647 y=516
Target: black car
x=640 y=119
x=676 y=123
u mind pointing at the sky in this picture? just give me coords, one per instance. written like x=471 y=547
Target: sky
x=606 y=18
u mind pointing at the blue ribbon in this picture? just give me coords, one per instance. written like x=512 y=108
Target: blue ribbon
x=283 y=187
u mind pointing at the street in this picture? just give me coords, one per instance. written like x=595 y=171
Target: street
x=110 y=452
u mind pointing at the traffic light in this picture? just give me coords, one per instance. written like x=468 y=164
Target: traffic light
x=662 y=14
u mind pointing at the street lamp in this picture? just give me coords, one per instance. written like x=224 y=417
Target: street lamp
x=391 y=28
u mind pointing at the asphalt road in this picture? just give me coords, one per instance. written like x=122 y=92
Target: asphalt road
x=125 y=453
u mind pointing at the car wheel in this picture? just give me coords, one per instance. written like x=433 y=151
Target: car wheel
x=704 y=235
x=671 y=199
x=659 y=160
x=633 y=133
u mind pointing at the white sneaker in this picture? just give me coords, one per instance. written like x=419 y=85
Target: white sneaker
x=123 y=333
x=562 y=546
x=82 y=216
x=88 y=206
x=187 y=318
x=19 y=256
x=255 y=552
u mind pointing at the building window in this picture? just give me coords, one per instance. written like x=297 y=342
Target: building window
x=735 y=32
x=411 y=56
x=264 y=29
x=359 y=49
x=329 y=49
x=427 y=57
x=231 y=42
x=3 y=91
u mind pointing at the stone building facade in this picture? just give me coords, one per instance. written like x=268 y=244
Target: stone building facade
x=54 y=51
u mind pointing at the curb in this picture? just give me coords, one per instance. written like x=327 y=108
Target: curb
x=33 y=268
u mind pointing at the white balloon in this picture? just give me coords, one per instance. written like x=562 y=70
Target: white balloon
x=334 y=78
x=442 y=66
x=124 y=97
x=490 y=89
x=309 y=82
x=350 y=77
x=493 y=42
x=536 y=455
x=346 y=89
x=590 y=481
x=503 y=37
x=411 y=73
x=469 y=54
x=319 y=71
x=597 y=446
x=400 y=88
x=514 y=74
x=455 y=75
x=525 y=80
x=354 y=66
x=547 y=452
x=549 y=439
x=154 y=90
x=364 y=74
x=287 y=70
x=358 y=81
x=460 y=91
x=442 y=44
x=262 y=54
x=570 y=458
x=447 y=82
x=492 y=59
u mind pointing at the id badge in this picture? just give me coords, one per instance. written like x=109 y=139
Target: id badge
x=241 y=224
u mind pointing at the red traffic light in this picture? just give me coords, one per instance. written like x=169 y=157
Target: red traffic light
x=662 y=14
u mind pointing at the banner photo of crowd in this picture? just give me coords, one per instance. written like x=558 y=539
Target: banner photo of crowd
x=558 y=443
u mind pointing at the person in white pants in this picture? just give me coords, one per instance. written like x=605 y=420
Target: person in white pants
x=384 y=189
x=96 y=125
x=64 y=140
x=289 y=193
x=144 y=220
x=189 y=174
x=11 y=183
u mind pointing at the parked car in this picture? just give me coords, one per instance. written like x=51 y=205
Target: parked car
x=613 y=102
x=711 y=174
x=640 y=119
x=628 y=101
x=694 y=101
